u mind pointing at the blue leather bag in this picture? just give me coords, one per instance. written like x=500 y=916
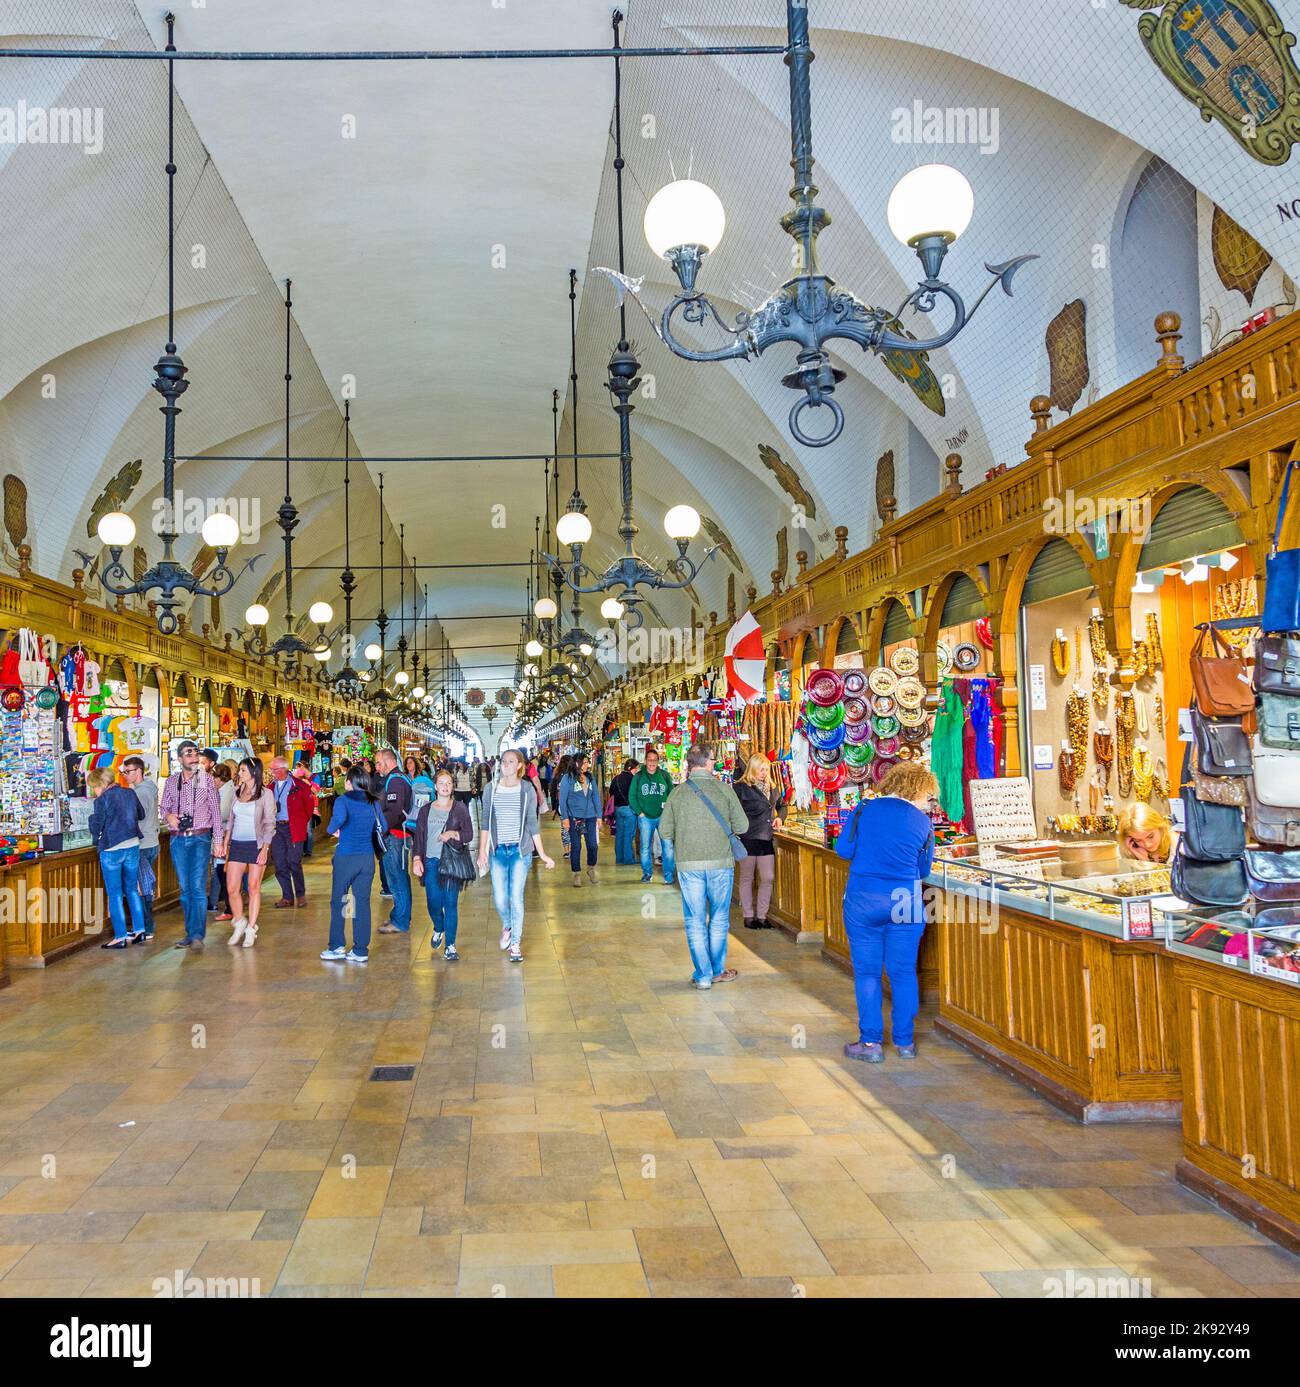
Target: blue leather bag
x=1282 y=574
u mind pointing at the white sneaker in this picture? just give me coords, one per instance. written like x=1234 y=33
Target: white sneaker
x=250 y=936
x=516 y=956
x=238 y=927
x=351 y=957
x=437 y=939
x=505 y=939
x=334 y=955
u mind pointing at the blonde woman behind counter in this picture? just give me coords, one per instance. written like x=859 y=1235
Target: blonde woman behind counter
x=1145 y=834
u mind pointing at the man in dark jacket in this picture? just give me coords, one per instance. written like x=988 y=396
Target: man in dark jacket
x=396 y=798
x=624 y=815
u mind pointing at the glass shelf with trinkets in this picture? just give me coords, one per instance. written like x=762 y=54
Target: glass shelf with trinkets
x=1263 y=940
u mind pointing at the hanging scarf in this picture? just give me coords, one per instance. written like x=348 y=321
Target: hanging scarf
x=981 y=716
x=946 y=753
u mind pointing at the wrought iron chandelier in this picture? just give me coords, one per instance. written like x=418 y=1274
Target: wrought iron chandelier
x=116 y=530
x=347 y=683
x=928 y=209
x=377 y=695
x=289 y=649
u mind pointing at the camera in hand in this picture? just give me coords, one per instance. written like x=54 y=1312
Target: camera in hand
x=185 y=822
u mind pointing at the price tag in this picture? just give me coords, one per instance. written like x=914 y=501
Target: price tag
x=1038 y=688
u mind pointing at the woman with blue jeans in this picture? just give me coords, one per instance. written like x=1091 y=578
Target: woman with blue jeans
x=889 y=843
x=507 y=843
x=580 y=814
x=443 y=820
x=115 y=829
x=354 y=820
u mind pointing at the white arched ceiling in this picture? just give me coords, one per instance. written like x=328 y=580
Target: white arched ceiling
x=430 y=255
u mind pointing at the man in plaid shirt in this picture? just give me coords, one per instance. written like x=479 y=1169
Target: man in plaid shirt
x=191 y=809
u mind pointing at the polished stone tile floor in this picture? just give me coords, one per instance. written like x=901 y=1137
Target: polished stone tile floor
x=583 y=1124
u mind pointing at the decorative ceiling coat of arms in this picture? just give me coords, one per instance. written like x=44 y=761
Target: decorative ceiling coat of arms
x=788 y=479
x=1239 y=259
x=913 y=369
x=720 y=537
x=1232 y=60
x=886 y=500
x=1067 y=355
x=115 y=495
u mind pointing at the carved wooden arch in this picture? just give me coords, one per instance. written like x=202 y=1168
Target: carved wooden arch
x=932 y=611
x=1118 y=610
x=1004 y=604
x=164 y=678
x=832 y=639
x=128 y=676
x=874 y=642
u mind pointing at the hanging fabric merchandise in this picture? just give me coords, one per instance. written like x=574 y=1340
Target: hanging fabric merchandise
x=981 y=717
x=946 y=752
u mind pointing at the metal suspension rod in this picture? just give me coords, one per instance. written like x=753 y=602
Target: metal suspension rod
x=406 y=457
x=573 y=367
x=202 y=55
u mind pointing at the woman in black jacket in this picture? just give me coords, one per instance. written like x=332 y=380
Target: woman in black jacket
x=445 y=819
x=760 y=798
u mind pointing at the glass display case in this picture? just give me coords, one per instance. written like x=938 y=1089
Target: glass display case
x=1113 y=896
x=1265 y=942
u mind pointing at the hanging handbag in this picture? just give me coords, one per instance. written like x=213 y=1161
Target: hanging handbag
x=1212 y=832
x=1277 y=776
x=457 y=863
x=1277 y=664
x=1219 y=676
x=1273 y=876
x=1222 y=747
x=1282 y=574
x=32 y=669
x=1218 y=789
x=380 y=837
x=1274 y=826
x=1221 y=884
x=1279 y=721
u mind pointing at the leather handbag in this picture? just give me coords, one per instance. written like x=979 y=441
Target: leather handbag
x=1222 y=747
x=1219 y=676
x=1212 y=832
x=456 y=863
x=1279 y=721
x=1218 y=789
x=1282 y=573
x=1277 y=776
x=1277 y=664
x=1221 y=884
x=1273 y=826
x=1273 y=876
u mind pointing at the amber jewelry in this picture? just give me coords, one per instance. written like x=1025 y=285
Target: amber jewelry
x=1061 y=657
x=1160 y=711
x=1094 y=798
x=1155 y=650
x=1140 y=704
x=1125 y=720
x=1097 y=640
x=1160 y=780
x=1103 y=748
x=1100 y=693
x=1076 y=728
x=1143 y=773
x=1078 y=651
x=1066 y=771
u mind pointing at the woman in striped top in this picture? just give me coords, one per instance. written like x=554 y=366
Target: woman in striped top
x=506 y=845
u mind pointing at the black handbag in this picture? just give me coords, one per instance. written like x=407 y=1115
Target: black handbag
x=456 y=863
x=1212 y=832
x=1221 y=884
x=1222 y=747
x=1279 y=720
x=1277 y=664
x=1273 y=876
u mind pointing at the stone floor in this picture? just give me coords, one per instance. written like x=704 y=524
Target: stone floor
x=581 y=1124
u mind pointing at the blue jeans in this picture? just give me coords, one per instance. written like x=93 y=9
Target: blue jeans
x=397 y=876
x=884 y=924
x=190 y=855
x=355 y=872
x=509 y=868
x=120 y=867
x=443 y=900
x=624 y=835
x=149 y=855
x=706 y=904
x=649 y=827
x=581 y=830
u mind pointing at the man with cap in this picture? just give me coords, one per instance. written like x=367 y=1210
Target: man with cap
x=191 y=809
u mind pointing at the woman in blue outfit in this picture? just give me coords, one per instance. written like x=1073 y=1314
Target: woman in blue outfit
x=889 y=844
x=580 y=815
x=115 y=830
x=355 y=818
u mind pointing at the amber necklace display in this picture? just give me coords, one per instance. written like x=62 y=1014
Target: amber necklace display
x=1155 y=651
x=1103 y=748
x=1061 y=656
x=1076 y=728
x=1141 y=661
x=1097 y=640
x=1100 y=693
x=1140 y=704
x=1144 y=774
x=1125 y=720
x=1067 y=772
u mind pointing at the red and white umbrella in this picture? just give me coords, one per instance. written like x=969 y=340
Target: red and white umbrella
x=745 y=659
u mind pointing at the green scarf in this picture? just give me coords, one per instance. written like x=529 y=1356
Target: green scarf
x=946 y=753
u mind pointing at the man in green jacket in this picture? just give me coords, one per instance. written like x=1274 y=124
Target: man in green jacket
x=700 y=819
x=647 y=796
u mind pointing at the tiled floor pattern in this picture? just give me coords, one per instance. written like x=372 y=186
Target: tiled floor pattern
x=582 y=1124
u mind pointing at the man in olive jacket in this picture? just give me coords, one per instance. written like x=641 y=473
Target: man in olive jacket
x=700 y=818
x=647 y=795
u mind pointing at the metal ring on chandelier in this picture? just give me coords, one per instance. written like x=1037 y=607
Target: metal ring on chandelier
x=806 y=439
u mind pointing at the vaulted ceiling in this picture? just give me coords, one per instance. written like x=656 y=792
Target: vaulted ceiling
x=428 y=214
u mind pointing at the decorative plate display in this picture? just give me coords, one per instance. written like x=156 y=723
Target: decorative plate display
x=825 y=738
x=912 y=717
x=943 y=658
x=857 y=775
x=855 y=683
x=856 y=709
x=908 y=752
x=825 y=687
x=827 y=718
x=881 y=768
x=966 y=657
x=884 y=704
x=911 y=692
x=827 y=778
x=887 y=746
x=916 y=735
x=887 y=726
x=46 y=698
x=882 y=680
x=833 y=757
x=12 y=699
x=905 y=660
x=859 y=754
x=857 y=732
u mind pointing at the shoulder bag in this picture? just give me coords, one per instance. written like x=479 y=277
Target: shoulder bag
x=1222 y=747
x=457 y=863
x=1273 y=826
x=1277 y=776
x=738 y=850
x=380 y=838
x=1282 y=574
x=1213 y=832
x=1273 y=876
x=1277 y=664
x=1279 y=720
x=1223 y=688
x=1218 y=789
x=1221 y=884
